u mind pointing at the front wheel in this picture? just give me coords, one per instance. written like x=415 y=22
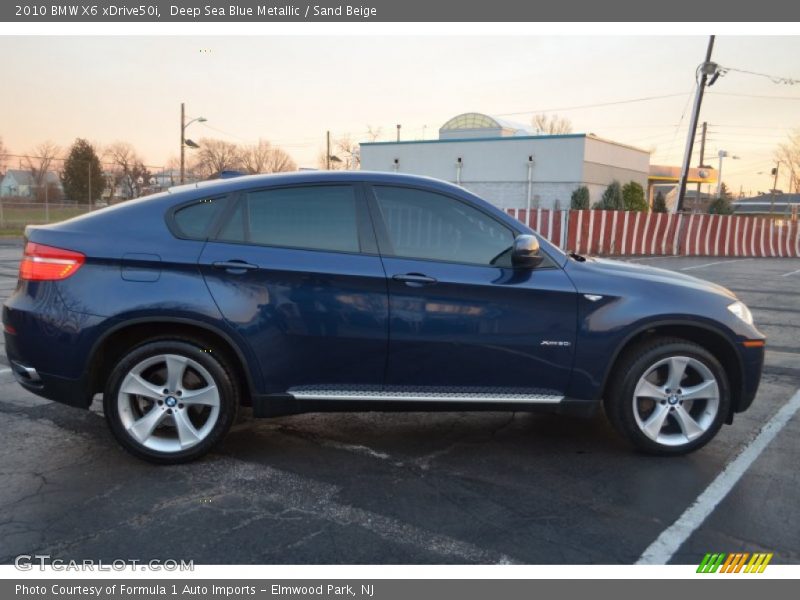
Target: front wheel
x=170 y=401
x=668 y=396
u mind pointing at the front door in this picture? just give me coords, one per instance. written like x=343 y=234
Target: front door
x=461 y=318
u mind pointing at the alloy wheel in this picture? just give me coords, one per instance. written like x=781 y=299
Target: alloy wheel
x=676 y=400
x=168 y=403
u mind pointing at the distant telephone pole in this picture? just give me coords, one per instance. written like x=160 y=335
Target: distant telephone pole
x=774 y=186
x=702 y=158
x=328 y=150
x=705 y=69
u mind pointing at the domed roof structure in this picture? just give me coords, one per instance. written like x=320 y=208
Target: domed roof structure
x=479 y=125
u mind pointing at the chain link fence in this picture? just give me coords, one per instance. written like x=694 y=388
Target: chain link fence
x=16 y=214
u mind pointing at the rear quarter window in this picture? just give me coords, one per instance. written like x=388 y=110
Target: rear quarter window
x=194 y=221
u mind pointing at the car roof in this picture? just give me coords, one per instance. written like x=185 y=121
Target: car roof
x=233 y=184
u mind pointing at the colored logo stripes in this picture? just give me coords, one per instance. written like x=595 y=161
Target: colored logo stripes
x=735 y=563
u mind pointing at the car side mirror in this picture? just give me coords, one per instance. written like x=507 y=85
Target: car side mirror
x=526 y=253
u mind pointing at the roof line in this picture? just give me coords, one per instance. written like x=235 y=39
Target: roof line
x=480 y=139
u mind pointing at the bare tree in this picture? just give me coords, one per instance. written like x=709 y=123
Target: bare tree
x=216 y=156
x=38 y=163
x=551 y=124
x=344 y=155
x=130 y=174
x=788 y=155
x=263 y=157
x=373 y=133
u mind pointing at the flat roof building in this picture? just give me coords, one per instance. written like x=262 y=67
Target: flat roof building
x=509 y=164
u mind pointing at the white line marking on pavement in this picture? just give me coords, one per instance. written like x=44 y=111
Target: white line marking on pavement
x=711 y=264
x=791 y=273
x=4 y=371
x=672 y=538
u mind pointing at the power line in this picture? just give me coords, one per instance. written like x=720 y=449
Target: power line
x=737 y=126
x=773 y=78
x=60 y=159
x=582 y=106
x=764 y=96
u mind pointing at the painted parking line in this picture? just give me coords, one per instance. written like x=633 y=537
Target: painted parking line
x=672 y=538
x=791 y=273
x=4 y=371
x=711 y=264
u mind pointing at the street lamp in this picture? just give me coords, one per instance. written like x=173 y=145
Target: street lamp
x=722 y=154
x=184 y=141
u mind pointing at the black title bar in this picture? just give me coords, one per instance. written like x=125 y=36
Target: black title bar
x=149 y=11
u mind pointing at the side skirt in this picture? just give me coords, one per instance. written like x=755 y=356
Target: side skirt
x=358 y=399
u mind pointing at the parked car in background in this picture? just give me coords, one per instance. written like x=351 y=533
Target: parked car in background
x=320 y=291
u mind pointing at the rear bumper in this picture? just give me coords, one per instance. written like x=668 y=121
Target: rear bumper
x=45 y=349
x=73 y=392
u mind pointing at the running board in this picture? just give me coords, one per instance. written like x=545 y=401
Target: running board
x=420 y=394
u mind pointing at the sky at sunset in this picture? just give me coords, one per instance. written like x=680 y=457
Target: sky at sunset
x=290 y=90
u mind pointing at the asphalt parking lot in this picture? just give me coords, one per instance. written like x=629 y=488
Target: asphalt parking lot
x=407 y=488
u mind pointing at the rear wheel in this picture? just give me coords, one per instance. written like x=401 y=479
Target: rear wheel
x=668 y=396
x=170 y=400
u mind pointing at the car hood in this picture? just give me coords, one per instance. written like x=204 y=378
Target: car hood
x=617 y=268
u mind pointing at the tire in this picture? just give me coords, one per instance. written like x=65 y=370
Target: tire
x=668 y=396
x=157 y=423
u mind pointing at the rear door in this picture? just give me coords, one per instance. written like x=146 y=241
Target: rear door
x=295 y=270
x=461 y=318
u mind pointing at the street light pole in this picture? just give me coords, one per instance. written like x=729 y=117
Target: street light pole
x=184 y=141
x=722 y=154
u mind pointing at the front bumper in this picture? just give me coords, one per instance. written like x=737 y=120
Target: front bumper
x=752 y=365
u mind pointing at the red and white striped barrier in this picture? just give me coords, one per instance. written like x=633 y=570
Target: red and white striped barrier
x=551 y=224
x=610 y=232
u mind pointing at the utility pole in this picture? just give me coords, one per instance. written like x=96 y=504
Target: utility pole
x=702 y=158
x=706 y=69
x=774 y=186
x=328 y=151
x=183 y=142
x=90 y=186
x=46 y=200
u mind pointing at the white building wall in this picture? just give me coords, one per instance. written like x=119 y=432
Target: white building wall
x=606 y=161
x=497 y=169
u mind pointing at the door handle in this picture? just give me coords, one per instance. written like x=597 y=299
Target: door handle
x=234 y=265
x=415 y=279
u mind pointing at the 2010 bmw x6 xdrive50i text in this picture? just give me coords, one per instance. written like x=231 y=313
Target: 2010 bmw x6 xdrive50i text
x=361 y=291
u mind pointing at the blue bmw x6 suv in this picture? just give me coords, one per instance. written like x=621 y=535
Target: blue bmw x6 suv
x=361 y=291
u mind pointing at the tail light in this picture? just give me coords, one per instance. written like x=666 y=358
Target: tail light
x=45 y=263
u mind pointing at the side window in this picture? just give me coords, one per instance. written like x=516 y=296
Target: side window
x=195 y=220
x=427 y=225
x=312 y=217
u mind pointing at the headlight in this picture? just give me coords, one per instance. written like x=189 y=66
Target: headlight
x=740 y=310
